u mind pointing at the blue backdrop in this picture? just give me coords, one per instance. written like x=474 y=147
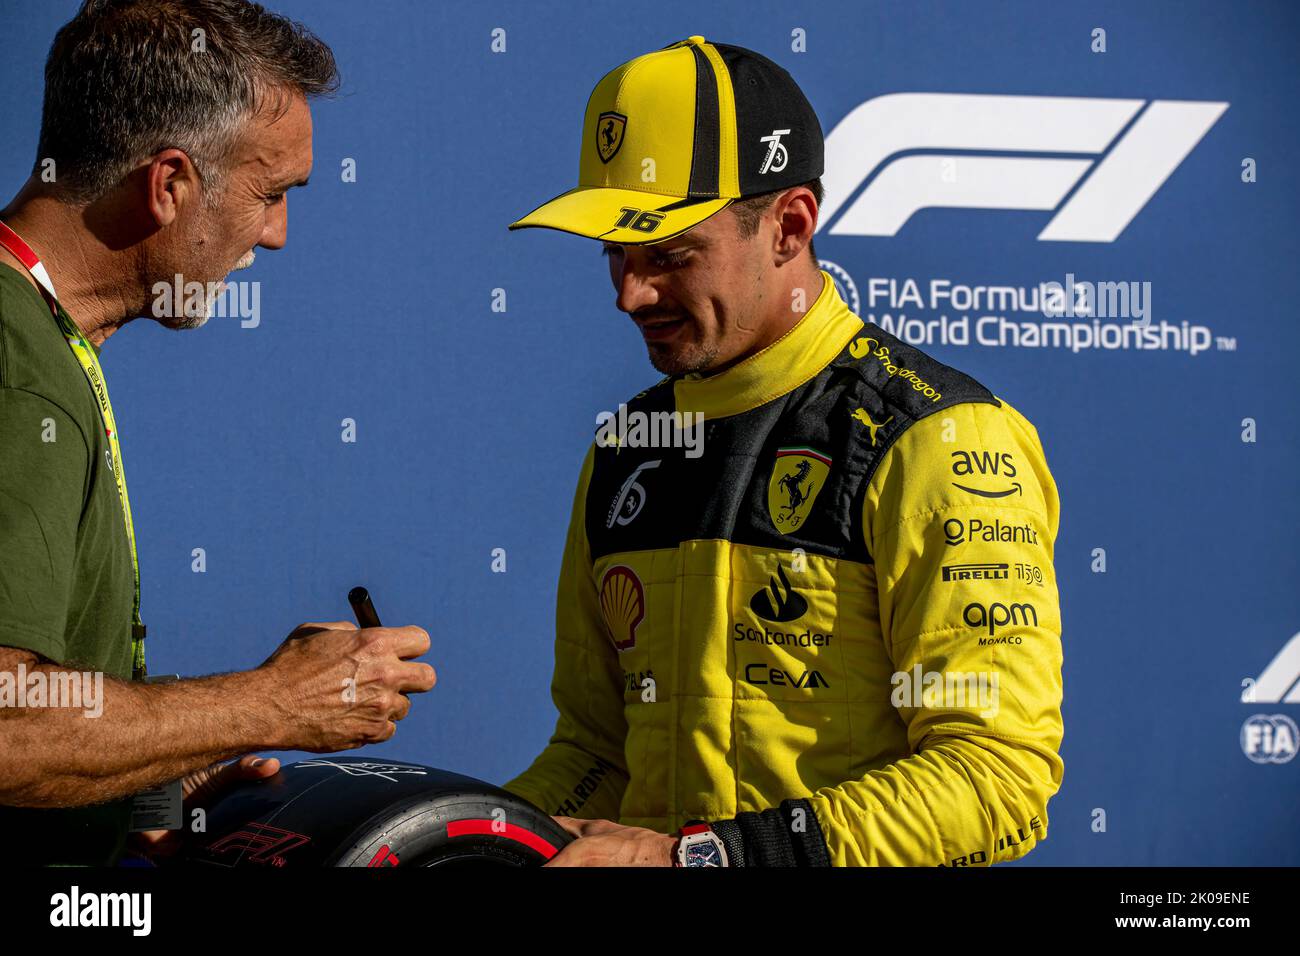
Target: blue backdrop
x=471 y=423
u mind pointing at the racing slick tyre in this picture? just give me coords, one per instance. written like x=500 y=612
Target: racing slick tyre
x=348 y=811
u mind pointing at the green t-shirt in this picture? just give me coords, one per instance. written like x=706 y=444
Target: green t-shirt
x=66 y=583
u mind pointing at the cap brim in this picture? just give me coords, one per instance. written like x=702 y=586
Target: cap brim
x=593 y=211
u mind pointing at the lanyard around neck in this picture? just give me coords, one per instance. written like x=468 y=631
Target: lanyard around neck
x=89 y=363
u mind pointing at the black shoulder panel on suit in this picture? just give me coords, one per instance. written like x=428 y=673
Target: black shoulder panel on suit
x=789 y=474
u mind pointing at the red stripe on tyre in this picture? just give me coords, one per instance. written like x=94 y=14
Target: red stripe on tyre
x=512 y=831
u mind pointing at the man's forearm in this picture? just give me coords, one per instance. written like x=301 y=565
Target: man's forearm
x=959 y=798
x=146 y=734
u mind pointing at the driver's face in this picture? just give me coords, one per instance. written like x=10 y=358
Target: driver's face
x=695 y=298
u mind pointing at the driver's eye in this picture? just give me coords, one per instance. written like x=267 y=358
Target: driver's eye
x=671 y=259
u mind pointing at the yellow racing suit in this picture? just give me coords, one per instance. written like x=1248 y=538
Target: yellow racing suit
x=830 y=626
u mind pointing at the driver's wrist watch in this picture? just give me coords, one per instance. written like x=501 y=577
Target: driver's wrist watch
x=698 y=845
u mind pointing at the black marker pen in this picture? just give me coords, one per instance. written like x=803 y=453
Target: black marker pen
x=359 y=598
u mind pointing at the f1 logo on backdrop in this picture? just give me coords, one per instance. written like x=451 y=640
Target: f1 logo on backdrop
x=925 y=125
x=1280 y=681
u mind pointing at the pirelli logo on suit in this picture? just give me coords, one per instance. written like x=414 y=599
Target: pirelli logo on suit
x=976 y=572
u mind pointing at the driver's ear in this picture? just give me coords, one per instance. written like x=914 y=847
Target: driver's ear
x=796 y=213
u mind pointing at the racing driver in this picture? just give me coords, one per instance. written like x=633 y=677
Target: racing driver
x=831 y=634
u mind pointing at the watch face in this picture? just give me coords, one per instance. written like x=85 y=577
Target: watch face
x=705 y=852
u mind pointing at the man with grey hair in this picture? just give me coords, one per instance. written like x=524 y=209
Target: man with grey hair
x=170 y=134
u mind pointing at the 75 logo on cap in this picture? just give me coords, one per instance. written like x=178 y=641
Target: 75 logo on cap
x=777 y=155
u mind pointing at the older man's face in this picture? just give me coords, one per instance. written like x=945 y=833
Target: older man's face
x=273 y=155
x=696 y=298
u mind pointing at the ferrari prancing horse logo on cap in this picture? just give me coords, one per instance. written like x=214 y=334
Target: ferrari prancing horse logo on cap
x=609 y=134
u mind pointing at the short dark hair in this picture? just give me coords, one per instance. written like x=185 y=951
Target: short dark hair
x=126 y=79
x=750 y=210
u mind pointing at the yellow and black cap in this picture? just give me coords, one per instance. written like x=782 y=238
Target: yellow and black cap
x=673 y=137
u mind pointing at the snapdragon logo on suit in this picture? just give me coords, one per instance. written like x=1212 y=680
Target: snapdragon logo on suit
x=1273 y=738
